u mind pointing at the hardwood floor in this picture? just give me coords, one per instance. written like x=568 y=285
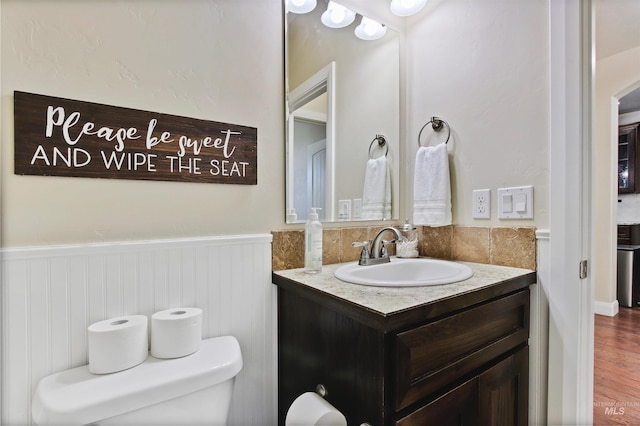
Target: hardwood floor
x=616 y=399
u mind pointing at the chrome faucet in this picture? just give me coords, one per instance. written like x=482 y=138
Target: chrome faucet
x=377 y=253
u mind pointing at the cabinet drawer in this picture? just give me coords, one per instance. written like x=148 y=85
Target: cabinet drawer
x=629 y=234
x=624 y=234
x=436 y=354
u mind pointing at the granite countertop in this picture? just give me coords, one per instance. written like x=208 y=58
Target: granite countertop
x=390 y=300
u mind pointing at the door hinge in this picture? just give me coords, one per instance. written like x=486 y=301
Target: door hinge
x=584 y=269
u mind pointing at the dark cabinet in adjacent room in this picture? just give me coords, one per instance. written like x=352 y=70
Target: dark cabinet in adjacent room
x=628 y=159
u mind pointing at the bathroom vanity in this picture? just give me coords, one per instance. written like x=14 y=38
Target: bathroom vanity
x=441 y=355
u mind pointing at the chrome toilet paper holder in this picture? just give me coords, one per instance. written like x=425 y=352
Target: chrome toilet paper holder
x=323 y=392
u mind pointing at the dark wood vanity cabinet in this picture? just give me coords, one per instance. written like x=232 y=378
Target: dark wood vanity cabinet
x=458 y=361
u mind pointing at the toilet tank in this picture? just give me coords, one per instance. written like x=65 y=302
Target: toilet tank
x=154 y=392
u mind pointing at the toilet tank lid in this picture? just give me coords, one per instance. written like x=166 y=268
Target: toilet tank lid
x=78 y=397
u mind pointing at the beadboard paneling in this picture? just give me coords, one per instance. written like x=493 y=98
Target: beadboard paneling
x=52 y=294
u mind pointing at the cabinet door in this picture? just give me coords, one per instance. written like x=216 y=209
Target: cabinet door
x=457 y=407
x=503 y=392
x=627 y=137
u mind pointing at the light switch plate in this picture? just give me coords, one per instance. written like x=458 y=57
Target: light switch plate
x=515 y=203
x=344 y=209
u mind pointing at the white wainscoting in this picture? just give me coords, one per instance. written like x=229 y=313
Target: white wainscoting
x=50 y=295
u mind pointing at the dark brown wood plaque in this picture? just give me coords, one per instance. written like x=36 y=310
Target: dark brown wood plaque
x=63 y=137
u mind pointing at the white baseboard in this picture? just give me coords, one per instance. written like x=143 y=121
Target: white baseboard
x=609 y=309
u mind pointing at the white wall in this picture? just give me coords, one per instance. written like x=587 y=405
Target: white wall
x=483 y=67
x=217 y=60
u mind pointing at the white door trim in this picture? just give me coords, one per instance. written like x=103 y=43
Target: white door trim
x=570 y=390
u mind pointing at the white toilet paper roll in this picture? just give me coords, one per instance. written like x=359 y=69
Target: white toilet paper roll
x=117 y=344
x=310 y=409
x=176 y=332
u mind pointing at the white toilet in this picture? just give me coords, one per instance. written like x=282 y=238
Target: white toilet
x=192 y=390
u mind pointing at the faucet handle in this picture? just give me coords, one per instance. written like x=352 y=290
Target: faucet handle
x=364 y=254
x=360 y=244
x=384 y=252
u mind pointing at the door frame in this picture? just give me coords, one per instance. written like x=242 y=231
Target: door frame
x=571 y=297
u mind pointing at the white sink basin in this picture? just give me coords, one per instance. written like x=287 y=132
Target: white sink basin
x=405 y=273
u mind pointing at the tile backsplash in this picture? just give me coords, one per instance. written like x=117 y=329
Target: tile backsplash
x=506 y=246
x=628 y=208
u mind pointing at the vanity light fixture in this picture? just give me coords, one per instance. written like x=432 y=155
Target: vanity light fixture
x=337 y=16
x=300 y=6
x=407 y=7
x=370 y=29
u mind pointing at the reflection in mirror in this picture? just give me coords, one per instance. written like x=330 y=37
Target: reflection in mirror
x=310 y=147
x=344 y=92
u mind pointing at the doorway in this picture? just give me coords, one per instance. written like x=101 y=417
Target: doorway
x=617 y=75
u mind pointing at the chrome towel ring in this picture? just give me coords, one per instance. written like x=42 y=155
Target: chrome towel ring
x=436 y=124
x=382 y=141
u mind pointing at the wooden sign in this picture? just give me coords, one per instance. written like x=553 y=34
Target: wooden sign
x=63 y=137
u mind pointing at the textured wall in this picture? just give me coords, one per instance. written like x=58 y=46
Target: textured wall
x=217 y=60
x=483 y=67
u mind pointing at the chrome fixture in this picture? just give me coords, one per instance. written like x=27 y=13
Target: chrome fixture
x=407 y=7
x=375 y=252
x=322 y=390
x=382 y=142
x=437 y=124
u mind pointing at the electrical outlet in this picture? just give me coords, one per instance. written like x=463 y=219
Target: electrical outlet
x=481 y=204
x=357 y=208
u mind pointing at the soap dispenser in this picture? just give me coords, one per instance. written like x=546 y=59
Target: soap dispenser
x=313 y=243
x=292 y=217
x=408 y=245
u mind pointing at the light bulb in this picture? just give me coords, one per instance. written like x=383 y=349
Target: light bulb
x=337 y=16
x=407 y=7
x=370 y=29
x=301 y=6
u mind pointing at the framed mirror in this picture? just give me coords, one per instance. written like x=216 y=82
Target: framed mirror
x=342 y=93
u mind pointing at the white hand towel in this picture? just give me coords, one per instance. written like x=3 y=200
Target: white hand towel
x=376 y=197
x=431 y=187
